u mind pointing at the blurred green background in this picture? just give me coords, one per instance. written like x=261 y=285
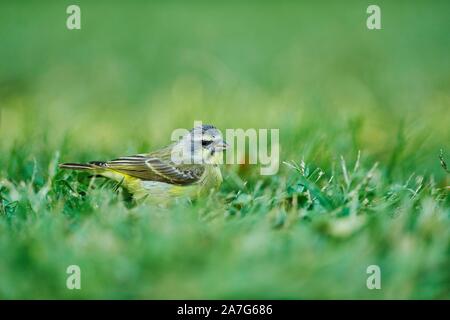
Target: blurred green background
x=137 y=70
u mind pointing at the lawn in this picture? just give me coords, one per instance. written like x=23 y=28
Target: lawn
x=363 y=117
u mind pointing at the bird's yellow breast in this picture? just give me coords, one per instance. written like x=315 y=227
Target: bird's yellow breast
x=161 y=192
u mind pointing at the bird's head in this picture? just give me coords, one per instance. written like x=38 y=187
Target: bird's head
x=203 y=144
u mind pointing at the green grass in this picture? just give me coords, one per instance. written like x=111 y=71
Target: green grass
x=363 y=116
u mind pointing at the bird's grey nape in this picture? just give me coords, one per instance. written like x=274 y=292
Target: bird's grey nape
x=204 y=128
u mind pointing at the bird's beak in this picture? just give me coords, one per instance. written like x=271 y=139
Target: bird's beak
x=220 y=146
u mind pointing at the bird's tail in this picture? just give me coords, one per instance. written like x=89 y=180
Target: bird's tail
x=82 y=166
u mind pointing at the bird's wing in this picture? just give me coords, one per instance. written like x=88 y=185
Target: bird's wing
x=149 y=168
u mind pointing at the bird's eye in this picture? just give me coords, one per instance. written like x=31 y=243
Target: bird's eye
x=206 y=142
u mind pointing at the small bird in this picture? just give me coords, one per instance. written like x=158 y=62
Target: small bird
x=186 y=168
